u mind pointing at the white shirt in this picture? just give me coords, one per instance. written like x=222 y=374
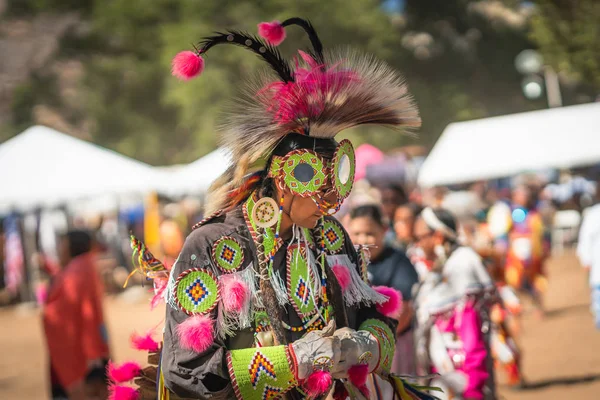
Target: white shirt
x=465 y=272
x=588 y=249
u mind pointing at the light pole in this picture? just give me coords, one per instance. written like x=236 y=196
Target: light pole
x=531 y=64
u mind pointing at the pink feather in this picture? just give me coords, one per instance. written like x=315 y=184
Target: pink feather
x=235 y=294
x=343 y=276
x=123 y=373
x=272 y=32
x=160 y=285
x=358 y=374
x=318 y=383
x=308 y=95
x=145 y=343
x=196 y=333
x=393 y=305
x=187 y=65
x=116 y=392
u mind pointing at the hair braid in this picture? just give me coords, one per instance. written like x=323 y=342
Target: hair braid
x=268 y=294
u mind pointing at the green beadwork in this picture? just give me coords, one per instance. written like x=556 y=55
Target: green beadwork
x=296 y=158
x=196 y=291
x=344 y=150
x=261 y=373
x=298 y=282
x=385 y=337
x=227 y=254
x=334 y=237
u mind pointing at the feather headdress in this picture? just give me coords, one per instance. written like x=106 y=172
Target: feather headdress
x=319 y=94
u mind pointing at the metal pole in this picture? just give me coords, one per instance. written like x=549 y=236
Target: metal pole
x=552 y=87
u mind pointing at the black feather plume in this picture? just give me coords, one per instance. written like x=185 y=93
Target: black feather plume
x=312 y=35
x=267 y=52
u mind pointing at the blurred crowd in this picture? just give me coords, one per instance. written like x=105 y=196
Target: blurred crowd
x=467 y=261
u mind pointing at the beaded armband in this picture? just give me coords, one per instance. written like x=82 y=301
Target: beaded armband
x=386 y=340
x=261 y=373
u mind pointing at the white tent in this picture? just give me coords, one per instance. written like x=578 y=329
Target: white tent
x=504 y=146
x=196 y=177
x=43 y=167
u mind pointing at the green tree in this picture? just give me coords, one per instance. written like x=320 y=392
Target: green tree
x=567 y=33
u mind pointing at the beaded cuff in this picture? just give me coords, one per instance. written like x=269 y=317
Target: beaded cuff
x=386 y=340
x=261 y=373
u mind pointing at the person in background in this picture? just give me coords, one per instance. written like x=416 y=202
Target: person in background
x=392 y=197
x=73 y=321
x=461 y=268
x=389 y=267
x=526 y=246
x=588 y=252
x=404 y=224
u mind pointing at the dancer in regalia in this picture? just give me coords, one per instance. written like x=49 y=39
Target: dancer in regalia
x=268 y=297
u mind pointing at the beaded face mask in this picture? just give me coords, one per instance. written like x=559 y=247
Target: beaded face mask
x=307 y=174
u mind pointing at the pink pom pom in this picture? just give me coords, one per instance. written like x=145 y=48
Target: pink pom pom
x=393 y=305
x=272 y=32
x=318 y=383
x=116 y=392
x=196 y=333
x=124 y=373
x=187 y=65
x=145 y=343
x=343 y=276
x=358 y=375
x=235 y=294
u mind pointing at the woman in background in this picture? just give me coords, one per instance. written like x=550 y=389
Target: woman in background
x=460 y=312
x=389 y=267
x=73 y=321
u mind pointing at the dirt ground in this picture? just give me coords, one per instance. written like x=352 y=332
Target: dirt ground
x=561 y=352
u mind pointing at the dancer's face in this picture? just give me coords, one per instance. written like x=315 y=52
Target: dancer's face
x=304 y=211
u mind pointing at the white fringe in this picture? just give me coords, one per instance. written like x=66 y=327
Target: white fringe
x=358 y=291
x=229 y=323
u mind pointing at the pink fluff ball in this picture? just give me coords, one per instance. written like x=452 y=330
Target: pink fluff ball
x=235 y=294
x=318 y=383
x=187 y=65
x=272 y=32
x=343 y=276
x=123 y=373
x=145 y=343
x=358 y=375
x=393 y=305
x=122 y=393
x=196 y=333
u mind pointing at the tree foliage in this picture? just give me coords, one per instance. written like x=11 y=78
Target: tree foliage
x=457 y=56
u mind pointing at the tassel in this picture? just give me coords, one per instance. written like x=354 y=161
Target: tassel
x=343 y=276
x=279 y=287
x=235 y=294
x=187 y=65
x=144 y=343
x=116 y=392
x=393 y=305
x=272 y=32
x=318 y=383
x=358 y=291
x=196 y=333
x=124 y=373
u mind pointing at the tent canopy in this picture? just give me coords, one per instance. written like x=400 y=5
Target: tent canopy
x=196 y=178
x=504 y=146
x=43 y=168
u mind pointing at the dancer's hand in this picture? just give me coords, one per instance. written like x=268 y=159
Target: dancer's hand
x=357 y=347
x=316 y=347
